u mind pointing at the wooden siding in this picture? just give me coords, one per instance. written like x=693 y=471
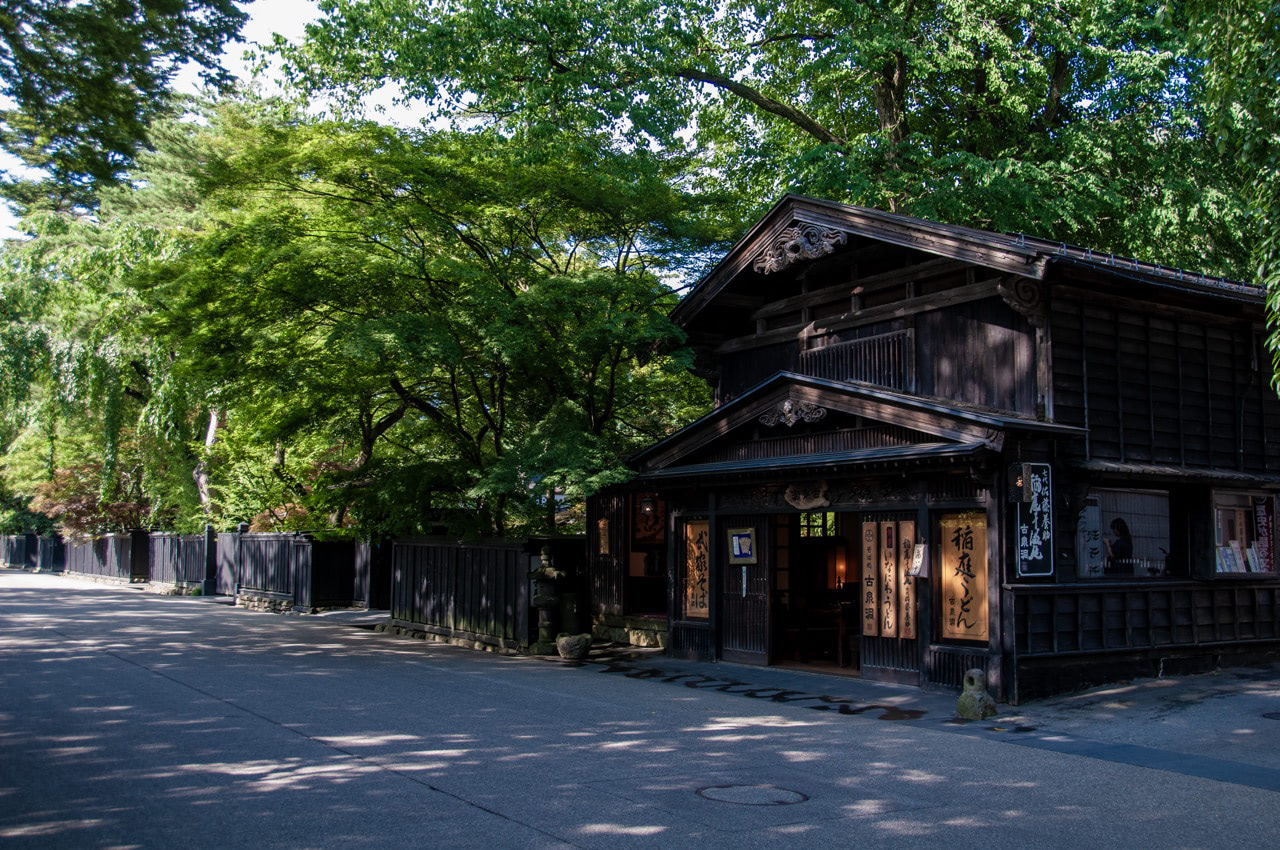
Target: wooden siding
x=741 y=370
x=1057 y=621
x=1164 y=389
x=694 y=642
x=981 y=352
x=606 y=573
x=476 y=592
x=744 y=606
x=793 y=445
x=945 y=666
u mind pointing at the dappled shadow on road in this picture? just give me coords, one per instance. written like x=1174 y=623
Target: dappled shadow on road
x=131 y=719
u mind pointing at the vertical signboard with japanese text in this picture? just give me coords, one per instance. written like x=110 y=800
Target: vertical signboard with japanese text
x=907 y=585
x=962 y=546
x=1035 y=523
x=697 y=570
x=888 y=579
x=870 y=585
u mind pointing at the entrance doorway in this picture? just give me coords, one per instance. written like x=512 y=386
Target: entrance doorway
x=815 y=622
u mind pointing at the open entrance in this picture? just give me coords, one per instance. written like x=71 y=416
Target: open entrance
x=815 y=592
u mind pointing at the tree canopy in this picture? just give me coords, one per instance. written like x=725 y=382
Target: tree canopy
x=87 y=78
x=1079 y=121
x=243 y=311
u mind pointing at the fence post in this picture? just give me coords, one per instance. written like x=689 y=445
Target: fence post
x=139 y=555
x=209 y=586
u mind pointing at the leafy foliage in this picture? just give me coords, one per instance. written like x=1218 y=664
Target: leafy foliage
x=1077 y=121
x=89 y=76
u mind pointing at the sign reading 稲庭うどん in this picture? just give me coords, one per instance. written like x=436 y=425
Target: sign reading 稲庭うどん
x=963 y=567
x=1035 y=523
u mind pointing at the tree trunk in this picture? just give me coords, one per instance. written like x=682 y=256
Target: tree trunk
x=201 y=472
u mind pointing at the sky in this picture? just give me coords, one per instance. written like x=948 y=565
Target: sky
x=266 y=17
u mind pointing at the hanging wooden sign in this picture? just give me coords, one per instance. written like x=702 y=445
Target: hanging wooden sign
x=869 y=591
x=889 y=579
x=907 y=588
x=1035 y=522
x=697 y=570
x=963 y=568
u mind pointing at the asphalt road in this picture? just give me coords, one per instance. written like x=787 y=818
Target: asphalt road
x=129 y=720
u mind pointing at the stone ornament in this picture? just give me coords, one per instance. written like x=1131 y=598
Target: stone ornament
x=799 y=242
x=975 y=703
x=790 y=412
x=808 y=496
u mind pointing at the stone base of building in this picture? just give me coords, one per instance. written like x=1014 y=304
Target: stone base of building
x=275 y=603
x=632 y=630
x=452 y=640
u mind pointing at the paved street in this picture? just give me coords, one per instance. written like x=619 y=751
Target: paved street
x=129 y=720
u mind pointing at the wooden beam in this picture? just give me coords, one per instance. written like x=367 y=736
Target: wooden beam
x=919 y=271
x=906 y=307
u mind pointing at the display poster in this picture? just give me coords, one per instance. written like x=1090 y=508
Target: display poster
x=888 y=579
x=1035 y=524
x=742 y=546
x=1091 y=555
x=1264 y=526
x=697 y=569
x=963 y=576
x=602 y=536
x=870 y=584
x=907 y=587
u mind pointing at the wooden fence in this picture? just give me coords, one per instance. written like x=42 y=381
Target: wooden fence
x=117 y=556
x=477 y=592
x=179 y=559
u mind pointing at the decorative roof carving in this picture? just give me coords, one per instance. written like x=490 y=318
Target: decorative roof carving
x=799 y=242
x=1026 y=296
x=808 y=495
x=790 y=412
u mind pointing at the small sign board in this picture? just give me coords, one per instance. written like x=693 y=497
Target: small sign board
x=1035 y=523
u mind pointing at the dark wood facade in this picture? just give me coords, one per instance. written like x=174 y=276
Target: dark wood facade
x=1086 y=447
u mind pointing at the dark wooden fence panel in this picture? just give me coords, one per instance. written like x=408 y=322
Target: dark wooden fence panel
x=178 y=558
x=119 y=556
x=477 y=592
x=265 y=563
x=226 y=571
x=14 y=552
x=52 y=555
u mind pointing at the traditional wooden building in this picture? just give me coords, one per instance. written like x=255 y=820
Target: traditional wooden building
x=937 y=448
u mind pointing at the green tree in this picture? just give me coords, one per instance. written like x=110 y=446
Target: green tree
x=453 y=324
x=1077 y=120
x=1242 y=41
x=88 y=77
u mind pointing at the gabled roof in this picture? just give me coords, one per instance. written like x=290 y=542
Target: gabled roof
x=1012 y=254
x=944 y=427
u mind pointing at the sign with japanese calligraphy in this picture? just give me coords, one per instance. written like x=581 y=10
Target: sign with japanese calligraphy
x=1091 y=555
x=1035 y=523
x=697 y=570
x=907 y=588
x=889 y=579
x=1264 y=524
x=963 y=569
x=870 y=590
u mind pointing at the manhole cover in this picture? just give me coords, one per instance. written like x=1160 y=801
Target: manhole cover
x=752 y=795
